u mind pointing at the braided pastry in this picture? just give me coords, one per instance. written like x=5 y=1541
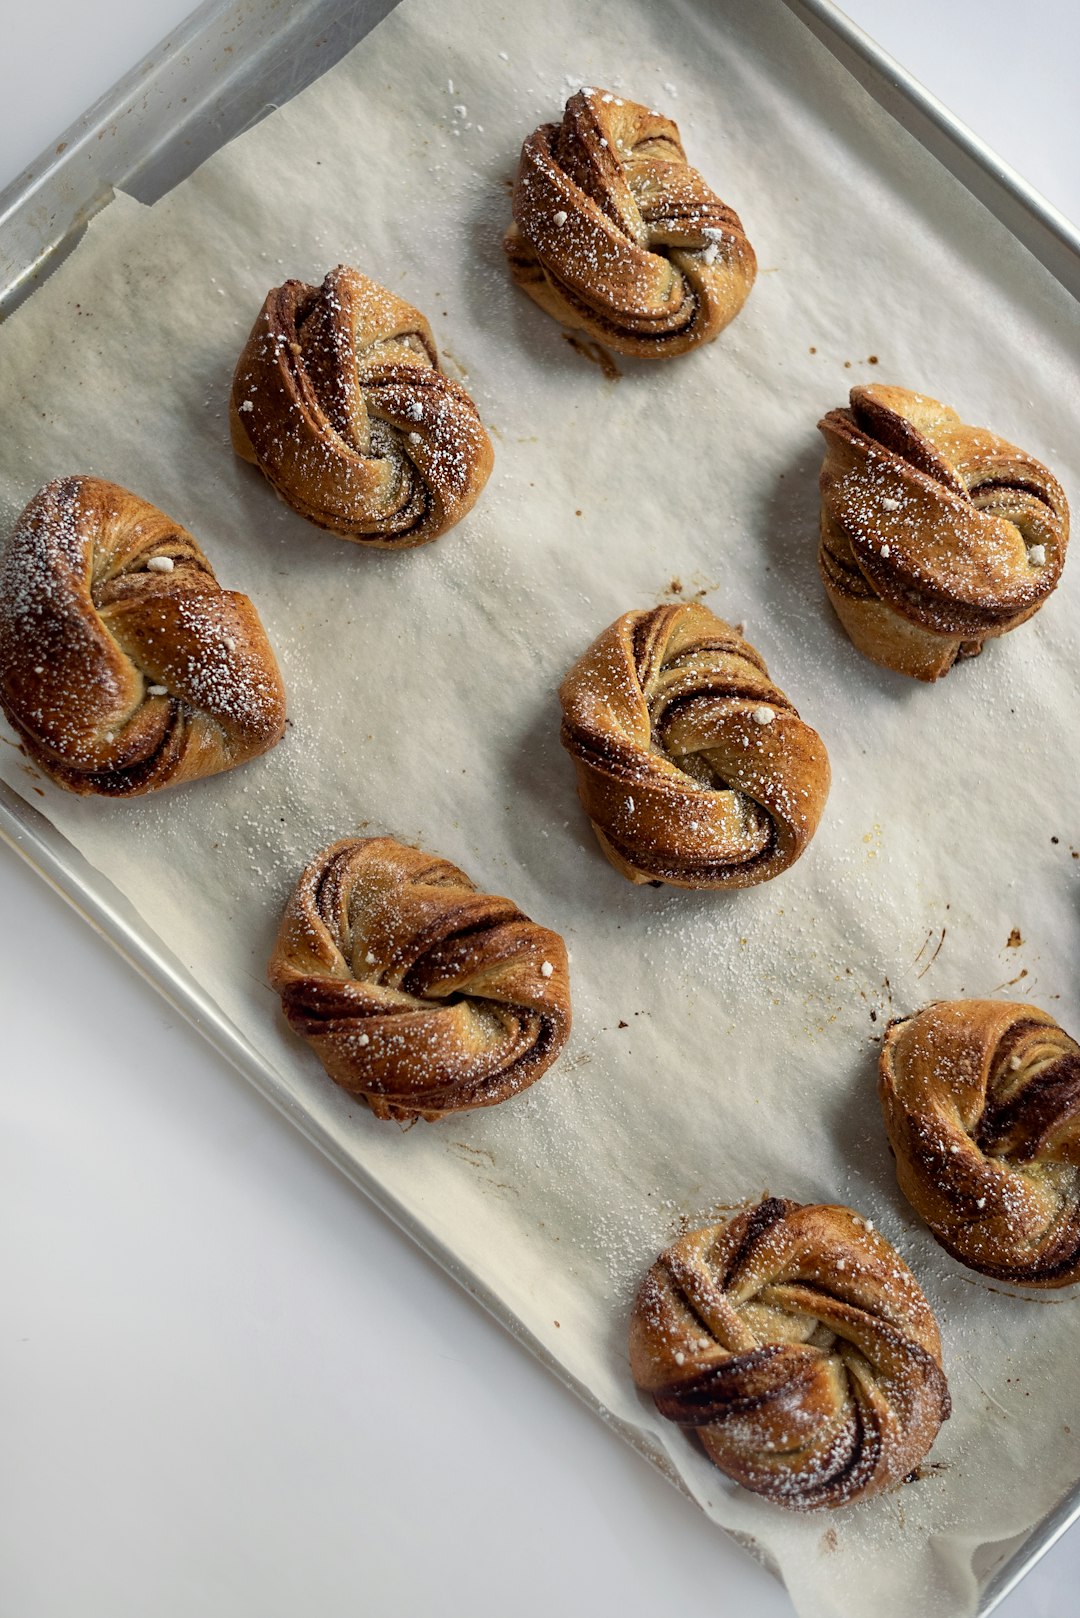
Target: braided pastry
x=616 y=234
x=124 y=666
x=339 y=399
x=935 y=535
x=982 y=1108
x=417 y=992
x=799 y=1347
x=692 y=766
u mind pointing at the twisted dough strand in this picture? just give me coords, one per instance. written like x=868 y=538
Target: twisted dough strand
x=124 y=665
x=982 y=1106
x=935 y=535
x=339 y=399
x=616 y=234
x=800 y=1349
x=694 y=768
x=416 y=991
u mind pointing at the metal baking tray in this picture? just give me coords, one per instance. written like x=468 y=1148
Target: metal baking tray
x=228 y=65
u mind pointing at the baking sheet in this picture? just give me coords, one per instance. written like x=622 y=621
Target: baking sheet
x=422 y=686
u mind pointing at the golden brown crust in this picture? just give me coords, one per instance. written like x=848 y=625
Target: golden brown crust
x=616 y=234
x=124 y=666
x=799 y=1347
x=982 y=1107
x=339 y=399
x=692 y=766
x=935 y=535
x=417 y=992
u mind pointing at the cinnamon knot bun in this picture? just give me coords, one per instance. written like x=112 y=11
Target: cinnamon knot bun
x=982 y=1107
x=935 y=536
x=616 y=234
x=338 y=398
x=418 y=993
x=124 y=666
x=799 y=1348
x=693 y=767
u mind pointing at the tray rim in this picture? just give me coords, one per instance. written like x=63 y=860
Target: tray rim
x=1047 y=233
x=1042 y=228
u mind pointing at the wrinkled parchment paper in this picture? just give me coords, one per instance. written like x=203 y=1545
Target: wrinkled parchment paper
x=724 y=1044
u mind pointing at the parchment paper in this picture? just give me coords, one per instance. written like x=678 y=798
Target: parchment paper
x=724 y=1044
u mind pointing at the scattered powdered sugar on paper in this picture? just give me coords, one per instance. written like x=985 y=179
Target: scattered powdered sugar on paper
x=724 y=1045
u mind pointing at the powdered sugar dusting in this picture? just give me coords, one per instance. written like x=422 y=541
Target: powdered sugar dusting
x=422 y=700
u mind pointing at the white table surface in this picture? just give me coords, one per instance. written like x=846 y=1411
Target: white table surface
x=228 y=1386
